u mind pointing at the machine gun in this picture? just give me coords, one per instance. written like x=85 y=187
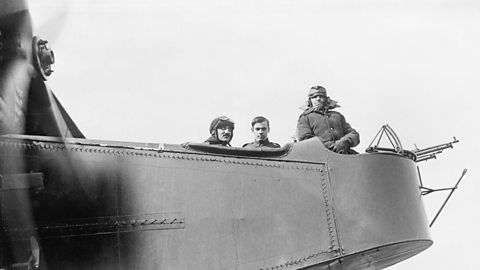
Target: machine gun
x=431 y=152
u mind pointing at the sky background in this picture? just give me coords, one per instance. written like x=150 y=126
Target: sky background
x=160 y=71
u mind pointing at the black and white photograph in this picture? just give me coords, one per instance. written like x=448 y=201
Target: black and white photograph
x=237 y=135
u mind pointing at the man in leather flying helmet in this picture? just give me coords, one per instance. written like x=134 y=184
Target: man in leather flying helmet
x=221 y=131
x=320 y=120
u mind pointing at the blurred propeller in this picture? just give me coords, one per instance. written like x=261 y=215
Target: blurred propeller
x=16 y=74
x=27 y=106
x=16 y=70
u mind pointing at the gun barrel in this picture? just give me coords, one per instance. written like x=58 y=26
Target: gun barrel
x=436 y=148
x=428 y=154
x=433 y=149
x=427 y=157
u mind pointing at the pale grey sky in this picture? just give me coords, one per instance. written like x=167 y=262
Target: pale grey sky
x=160 y=71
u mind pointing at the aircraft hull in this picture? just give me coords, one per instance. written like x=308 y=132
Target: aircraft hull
x=111 y=205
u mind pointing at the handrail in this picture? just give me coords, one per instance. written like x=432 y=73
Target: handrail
x=237 y=151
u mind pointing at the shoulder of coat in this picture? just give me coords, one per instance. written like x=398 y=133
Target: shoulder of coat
x=306 y=112
x=276 y=145
x=247 y=144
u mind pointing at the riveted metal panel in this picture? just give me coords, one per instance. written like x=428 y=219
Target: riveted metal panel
x=175 y=210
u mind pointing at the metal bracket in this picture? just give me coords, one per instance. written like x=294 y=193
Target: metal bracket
x=448 y=197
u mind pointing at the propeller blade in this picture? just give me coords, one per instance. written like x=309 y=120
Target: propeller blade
x=12 y=6
x=16 y=70
x=16 y=74
x=14 y=85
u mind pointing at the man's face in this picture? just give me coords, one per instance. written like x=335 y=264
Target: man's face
x=224 y=133
x=260 y=131
x=318 y=101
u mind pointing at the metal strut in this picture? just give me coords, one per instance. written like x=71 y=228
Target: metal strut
x=391 y=136
x=448 y=197
x=394 y=142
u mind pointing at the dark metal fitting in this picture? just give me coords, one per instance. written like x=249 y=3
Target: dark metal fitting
x=43 y=57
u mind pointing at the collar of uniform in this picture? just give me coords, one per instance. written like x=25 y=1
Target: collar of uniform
x=311 y=110
x=215 y=141
x=261 y=143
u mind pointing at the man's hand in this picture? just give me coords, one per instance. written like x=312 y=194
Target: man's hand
x=341 y=146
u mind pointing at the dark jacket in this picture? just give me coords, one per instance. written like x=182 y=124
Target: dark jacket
x=215 y=141
x=261 y=144
x=329 y=126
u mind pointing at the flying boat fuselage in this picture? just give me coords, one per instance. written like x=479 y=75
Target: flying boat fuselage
x=113 y=205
